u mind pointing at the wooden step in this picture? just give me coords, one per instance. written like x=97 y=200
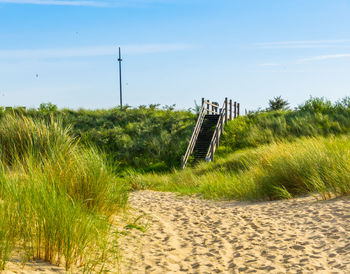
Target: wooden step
x=206 y=132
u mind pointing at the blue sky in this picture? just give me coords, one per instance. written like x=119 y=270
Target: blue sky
x=174 y=51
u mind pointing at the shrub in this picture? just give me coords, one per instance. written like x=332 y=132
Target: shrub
x=277 y=103
x=47 y=108
x=317 y=104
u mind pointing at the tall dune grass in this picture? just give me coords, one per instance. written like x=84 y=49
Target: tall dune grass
x=22 y=137
x=55 y=196
x=280 y=170
x=7 y=223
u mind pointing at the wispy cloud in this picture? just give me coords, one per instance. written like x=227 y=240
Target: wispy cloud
x=57 y=2
x=91 y=51
x=304 y=44
x=325 y=57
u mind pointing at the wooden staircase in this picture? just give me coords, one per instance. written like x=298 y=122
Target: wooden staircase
x=208 y=129
x=205 y=135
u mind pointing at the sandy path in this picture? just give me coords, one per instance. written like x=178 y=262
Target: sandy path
x=195 y=236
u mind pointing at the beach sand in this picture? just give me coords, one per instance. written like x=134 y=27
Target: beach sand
x=190 y=235
x=194 y=236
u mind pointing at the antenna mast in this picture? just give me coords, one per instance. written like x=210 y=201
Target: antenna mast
x=120 y=78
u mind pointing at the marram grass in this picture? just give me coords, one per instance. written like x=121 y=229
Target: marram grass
x=276 y=171
x=56 y=197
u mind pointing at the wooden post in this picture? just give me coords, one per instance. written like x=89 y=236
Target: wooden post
x=226 y=111
x=230 y=109
x=217 y=137
x=238 y=110
x=222 y=125
x=208 y=106
x=202 y=101
x=235 y=110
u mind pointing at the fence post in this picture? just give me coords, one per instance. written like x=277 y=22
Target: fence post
x=222 y=124
x=238 y=110
x=235 y=110
x=217 y=137
x=226 y=111
x=202 y=101
x=208 y=106
x=230 y=109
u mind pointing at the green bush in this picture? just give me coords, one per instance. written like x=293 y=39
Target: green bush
x=318 y=105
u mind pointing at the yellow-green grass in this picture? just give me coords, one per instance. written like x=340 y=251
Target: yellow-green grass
x=56 y=197
x=275 y=171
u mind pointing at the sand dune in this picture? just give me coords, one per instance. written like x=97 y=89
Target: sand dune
x=194 y=236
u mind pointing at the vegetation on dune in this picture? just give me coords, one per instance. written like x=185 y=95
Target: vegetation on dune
x=153 y=139
x=275 y=171
x=144 y=138
x=316 y=117
x=55 y=196
x=277 y=103
x=58 y=192
x=272 y=154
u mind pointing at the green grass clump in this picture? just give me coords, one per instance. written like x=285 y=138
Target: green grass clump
x=56 y=197
x=275 y=171
x=22 y=137
x=8 y=222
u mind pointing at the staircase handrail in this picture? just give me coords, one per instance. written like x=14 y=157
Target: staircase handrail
x=229 y=111
x=194 y=136
x=214 y=143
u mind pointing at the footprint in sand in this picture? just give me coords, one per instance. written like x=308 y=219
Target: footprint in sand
x=195 y=236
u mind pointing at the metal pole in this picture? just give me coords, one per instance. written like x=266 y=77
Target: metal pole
x=120 y=78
